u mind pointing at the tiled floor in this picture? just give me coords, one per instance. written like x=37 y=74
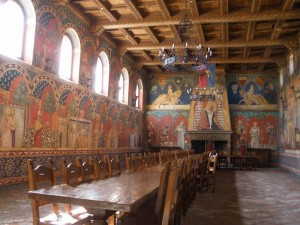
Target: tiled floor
x=268 y=196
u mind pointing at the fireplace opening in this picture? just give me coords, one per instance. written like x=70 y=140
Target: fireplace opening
x=201 y=146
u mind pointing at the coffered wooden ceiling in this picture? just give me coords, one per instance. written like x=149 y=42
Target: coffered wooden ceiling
x=246 y=36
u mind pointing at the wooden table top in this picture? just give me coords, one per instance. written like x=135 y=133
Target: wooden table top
x=125 y=192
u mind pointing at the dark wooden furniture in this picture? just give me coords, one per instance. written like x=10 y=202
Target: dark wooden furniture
x=120 y=193
x=40 y=175
x=263 y=156
x=244 y=161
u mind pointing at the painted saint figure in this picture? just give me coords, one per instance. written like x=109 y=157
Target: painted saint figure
x=150 y=133
x=254 y=133
x=180 y=130
x=8 y=126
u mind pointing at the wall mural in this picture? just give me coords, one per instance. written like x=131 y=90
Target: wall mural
x=170 y=91
x=209 y=109
x=166 y=129
x=47 y=41
x=289 y=117
x=88 y=62
x=252 y=92
x=254 y=129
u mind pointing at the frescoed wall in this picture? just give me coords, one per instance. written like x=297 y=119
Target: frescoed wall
x=44 y=116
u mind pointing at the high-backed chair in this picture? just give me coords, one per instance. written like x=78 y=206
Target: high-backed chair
x=114 y=166
x=43 y=176
x=101 y=168
x=73 y=175
x=87 y=169
x=163 y=210
x=129 y=163
x=207 y=180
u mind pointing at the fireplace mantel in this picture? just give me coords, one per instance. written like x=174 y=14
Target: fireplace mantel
x=211 y=135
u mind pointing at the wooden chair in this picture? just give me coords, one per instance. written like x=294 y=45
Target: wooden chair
x=129 y=163
x=163 y=210
x=114 y=166
x=73 y=175
x=45 y=175
x=101 y=169
x=207 y=180
x=87 y=169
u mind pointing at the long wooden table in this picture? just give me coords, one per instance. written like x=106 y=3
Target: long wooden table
x=122 y=193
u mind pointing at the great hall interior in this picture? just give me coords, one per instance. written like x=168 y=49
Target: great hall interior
x=86 y=78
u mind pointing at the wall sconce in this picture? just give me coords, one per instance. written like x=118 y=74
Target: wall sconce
x=296 y=92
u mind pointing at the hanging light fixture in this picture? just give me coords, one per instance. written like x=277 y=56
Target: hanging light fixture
x=191 y=58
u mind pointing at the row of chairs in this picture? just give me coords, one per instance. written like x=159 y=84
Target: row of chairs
x=73 y=173
x=78 y=172
x=177 y=190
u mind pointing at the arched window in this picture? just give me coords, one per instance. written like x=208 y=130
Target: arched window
x=16 y=17
x=121 y=89
x=139 y=95
x=291 y=64
x=123 y=86
x=70 y=56
x=102 y=74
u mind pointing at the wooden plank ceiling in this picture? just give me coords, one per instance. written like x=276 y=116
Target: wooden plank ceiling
x=245 y=36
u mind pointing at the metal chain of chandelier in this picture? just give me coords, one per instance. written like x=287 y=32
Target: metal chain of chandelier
x=197 y=56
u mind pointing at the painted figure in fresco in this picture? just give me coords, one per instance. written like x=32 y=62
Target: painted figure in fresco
x=252 y=98
x=8 y=125
x=209 y=118
x=241 y=133
x=180 y=130
x=254 y=134
x=186 y=91
x=38 y=130
x=72 y=142
x=165 y=133
x=150 y=133
x=270 y=132
x=170 y=98
x=82 y=138
x=101 y=140
x=13 y=131
x=269 y=93
x=234 y=95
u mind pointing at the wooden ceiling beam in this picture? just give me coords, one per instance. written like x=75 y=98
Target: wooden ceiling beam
x=129 y=36
x=224 y=7
x=105 y=8
x=134 y=10
x=222 y=61
x=210 y=17
x=151 y=35
x=287 y=5
x=255 y=7
x=229 y=44
x=194 y=8
x=163 y=9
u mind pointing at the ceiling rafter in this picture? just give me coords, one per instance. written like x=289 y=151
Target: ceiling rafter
x=151 y=35
x=135 y=11
x=245 y=16
x=105 y=8
x=129 y=36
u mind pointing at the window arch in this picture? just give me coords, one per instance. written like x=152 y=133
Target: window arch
x=18 y=19
x=102 y=74
x=139 y=95
x=123 y=86
x=70 y=56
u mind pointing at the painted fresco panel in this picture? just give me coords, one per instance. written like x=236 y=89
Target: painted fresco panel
x=252 y=92
x=161 y=127
x=12 y=126
x=254 y=129
x=171 y=91
x=79 y=133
